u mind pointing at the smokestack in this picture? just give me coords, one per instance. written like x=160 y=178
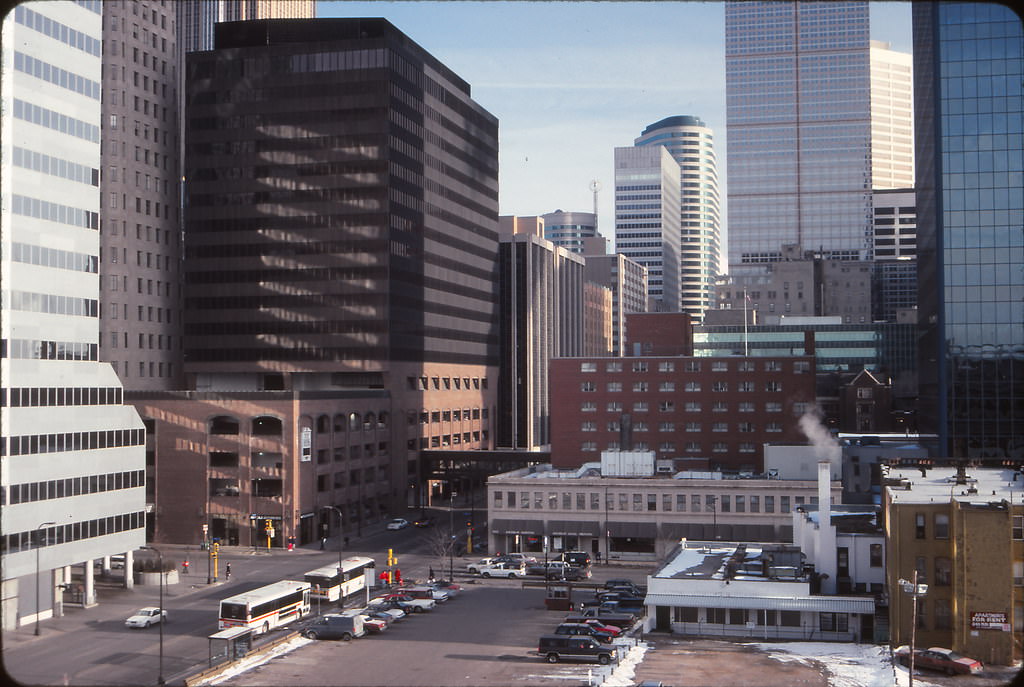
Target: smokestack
x=826 y=548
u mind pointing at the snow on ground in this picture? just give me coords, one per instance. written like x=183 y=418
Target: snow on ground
x=625 y=671
x=848 y=665
x=255 y=660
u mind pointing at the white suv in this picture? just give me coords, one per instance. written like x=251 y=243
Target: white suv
x=503 y=570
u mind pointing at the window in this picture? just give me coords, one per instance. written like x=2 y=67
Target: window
x=666 y=367
x=1018 y=527
x=943 y=614
x=652 y=502
x=693 y=366
x=741 y=504
x=640 y=407
x=773 y=407
x=639 y=366
x=737 y=616
x=755 y=504
x=588 y=407
x=681 y=502
x=614 y=407
x=941 y=526
x=747 y=447
x=773 y=386
x=524 y=499
x=640 y=386
x=746 y=366
x=745 y=387
x=772 y=366
x=784 y=506
x=588 y=386
x=716 y=615
x=720 y=386
x=588 y=427
x=746 y=407
x=719 y=366
x=595 y=501
x=719 y=407
x=588 y=367
x=666 y=426
x=692 y=426
x=614 y=386
x=876 y=556
x=667 y=386
x=719 y=447
x=538 y=500
x=834 y=622
x=943 y=571
x=692 y=407
x=725 y=503
x=789 y=618
x=692 y=386
x=773 y=427
x=613 y=367
x=919 y=532
x=693 y=447
x=720 y=427
x=769 y=504
x=746 y=427
x=666 y=406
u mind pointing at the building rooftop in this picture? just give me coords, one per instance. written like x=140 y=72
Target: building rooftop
x=939 y=485
x=734 y=561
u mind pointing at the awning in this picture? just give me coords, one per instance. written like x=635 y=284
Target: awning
x=822 y=604
x=583 y=528
x=527 y=527
x=636 y=530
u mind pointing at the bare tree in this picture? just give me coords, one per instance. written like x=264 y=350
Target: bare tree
x=441 y=545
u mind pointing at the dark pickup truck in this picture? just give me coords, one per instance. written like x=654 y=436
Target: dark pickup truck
x=624 y=604
x=608 y=617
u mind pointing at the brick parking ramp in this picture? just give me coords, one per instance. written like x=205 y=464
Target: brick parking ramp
x=715 y=663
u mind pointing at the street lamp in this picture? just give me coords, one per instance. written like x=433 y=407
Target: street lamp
x=39 y=545
x=451 y=529
x=160 y=677
x=915 y=590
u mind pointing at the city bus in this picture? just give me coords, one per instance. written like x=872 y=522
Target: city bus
x=267 y=607
x=330 y=584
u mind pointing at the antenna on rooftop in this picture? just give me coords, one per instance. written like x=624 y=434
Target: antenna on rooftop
x=595 y=186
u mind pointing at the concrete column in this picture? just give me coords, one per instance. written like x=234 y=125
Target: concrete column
x=105 y=566
x=129 y=569
x=56 y=593
x=88 y=580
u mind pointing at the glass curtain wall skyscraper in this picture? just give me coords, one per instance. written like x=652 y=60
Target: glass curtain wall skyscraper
x=799 y=130
x=691 y=144
x=968 y=73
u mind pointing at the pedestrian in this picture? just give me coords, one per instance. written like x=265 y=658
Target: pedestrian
x=431 y=575
x=323 y=543
x=184 y=566
x=398 y=576
x=346 y=542
x=227 y=571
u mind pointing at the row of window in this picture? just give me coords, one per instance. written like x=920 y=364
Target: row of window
x=799 y=366
x=456 y=415
x=742 y=427
x=690 y=407
x=446 y=440
x=448 y=383
x=55 y=166
x=670 y=446
x=31 y=397
x=53 y=304
x=34 y=349
x=643 y=387
x=637 y=502
x=72 y=486
x=827 y=622
x=28 y=444
x=65 y=534
x=54 y=212
x=54 y=257
x=57 y=76
x=54 y=29
x=52 y=119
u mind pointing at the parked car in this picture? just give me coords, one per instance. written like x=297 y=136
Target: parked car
x=450 y=588
x=557 y=647
x=583 y=629
x=144 y=617
x=608 y=617
x=618 y=582
x=370 y=623
x=515 y=558
x=503 y=570
x=424 y=592
x=407 y=603
x=393 y=613
x=598 y=625
x=630 y=589
x=475 y=567
x=424 y=522
x=558 y=570
x=398 y=524
x=623 y=598
x=335 y=626
x=578 y=558
x=937 y=658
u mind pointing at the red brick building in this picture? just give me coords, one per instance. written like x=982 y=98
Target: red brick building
x=718 y=410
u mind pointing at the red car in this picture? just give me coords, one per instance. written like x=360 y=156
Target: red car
x=937 y=658
x=601 y=627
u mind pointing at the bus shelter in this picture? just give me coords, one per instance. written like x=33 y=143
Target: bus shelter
x=229 y=645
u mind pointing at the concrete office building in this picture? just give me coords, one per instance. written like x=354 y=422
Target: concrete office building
x=647 y=219
x=73 y=462
x=322 y=288
x=569 y=229
x=968 y=67
x=597 y=319
x=803 y=87
x=541 y=291
x=691 y=144
x=627 y=280
x=141 y=242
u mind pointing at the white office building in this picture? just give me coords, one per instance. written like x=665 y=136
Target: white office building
x=647 y=219
x=73 y=454
x=692 y=145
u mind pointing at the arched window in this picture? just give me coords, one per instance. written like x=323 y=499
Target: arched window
x=382 y=419
x=339 y=423
x=369 y=421
x=224 y=424
x=354 y=421
x=323 y=424
x=266 y=426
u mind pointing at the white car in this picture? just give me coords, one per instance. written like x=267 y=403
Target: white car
x=475 y=567
x=398 y=524
x=503 y=570
x=144 y=617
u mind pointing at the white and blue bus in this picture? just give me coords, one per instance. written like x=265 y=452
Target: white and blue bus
x=334 y=583
x=267 y=607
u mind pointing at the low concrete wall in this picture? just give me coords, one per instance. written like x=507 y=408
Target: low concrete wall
x=153 y=578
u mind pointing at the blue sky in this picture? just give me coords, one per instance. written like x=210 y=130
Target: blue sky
x=569 y=81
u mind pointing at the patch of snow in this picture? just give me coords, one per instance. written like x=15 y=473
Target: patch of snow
x=625 y=671
x=847 y=665
x=250 y=662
